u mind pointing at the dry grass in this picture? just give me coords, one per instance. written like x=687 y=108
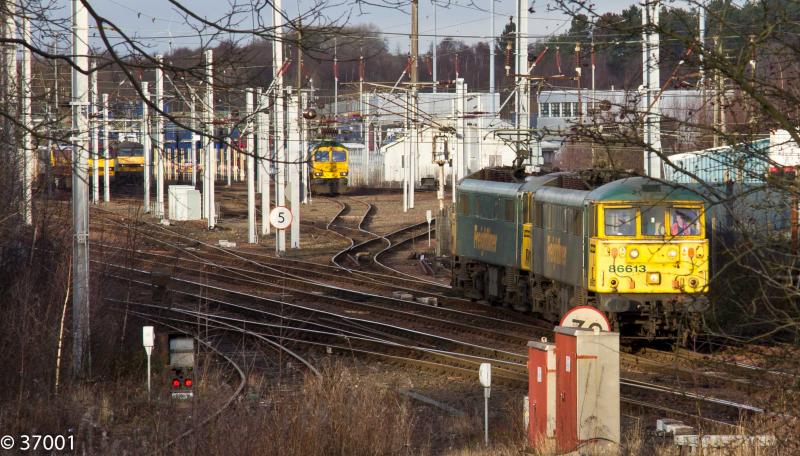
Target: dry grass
x=339 y=414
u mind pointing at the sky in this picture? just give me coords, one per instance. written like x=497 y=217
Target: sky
x=164 y=28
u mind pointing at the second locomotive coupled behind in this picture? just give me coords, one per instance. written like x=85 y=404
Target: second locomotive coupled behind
x=632 y=247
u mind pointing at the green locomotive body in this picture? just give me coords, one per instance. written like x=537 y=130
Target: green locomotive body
x=559 y=240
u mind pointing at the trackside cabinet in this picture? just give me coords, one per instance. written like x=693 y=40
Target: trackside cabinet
x=587 y=388
x=541 y=391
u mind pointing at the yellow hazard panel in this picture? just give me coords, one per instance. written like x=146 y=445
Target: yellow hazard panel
x=527 y=252
x=626 y=266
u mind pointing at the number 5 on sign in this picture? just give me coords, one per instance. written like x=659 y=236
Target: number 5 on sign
x=280 y=217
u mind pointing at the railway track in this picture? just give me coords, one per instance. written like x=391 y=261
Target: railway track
x=364 y=339
x=366 y=248
x=371 y=335
x=303 y=270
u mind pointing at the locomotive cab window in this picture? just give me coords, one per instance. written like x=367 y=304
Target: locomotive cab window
x=339 y=156
x=685 y=221
x=321 y=156
x=620 y=221
x=128 y=152
x=654 y=219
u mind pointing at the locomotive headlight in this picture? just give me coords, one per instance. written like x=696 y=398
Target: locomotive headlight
x=693 y=282
x=672 y=253
x=634 y=253
x=654 y=278
x=343 y=173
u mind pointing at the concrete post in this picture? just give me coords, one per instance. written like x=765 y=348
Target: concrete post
x=146 y=145
x=80 y=191
x=280 y=136
x=27 y=144
x=461 y=149
x=193 y=138
x=210 y=167
x=523 y=84
x=106 y=151
x=262 y=129
x=159 y=139
x=651 y=87
x=93 y=129
x=251 y=184
x=293 y=168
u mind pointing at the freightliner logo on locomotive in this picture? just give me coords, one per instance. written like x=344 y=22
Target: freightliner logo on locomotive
x=483 y=239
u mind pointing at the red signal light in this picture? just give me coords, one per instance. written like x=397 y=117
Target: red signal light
x=188 y=383
x=176 y=383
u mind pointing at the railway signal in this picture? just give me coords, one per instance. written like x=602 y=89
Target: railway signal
x=181 y=364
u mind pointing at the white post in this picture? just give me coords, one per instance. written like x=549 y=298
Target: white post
x=461 y=149
x=365 y=137
x=492 y=45
x=702 y=40
x=435 y=43
x=146 y=145
x=304 y=165
x=651 y=83
x=280 y=166
x=148 y=341
x=335 y=81
x=228 y=163
x=523 y=84
x=414 y=152
x=193 y=138
x=251 y=184
x=95 y=150
x=159 y=140
x=485 y=377
x=293 y=156
x=280 y=152
x=27 y=144
x=262 y=131
x=241 y=163
x=429 y=218
x=80 y=190
x=454 y=147
x=106 y=152
x=406 y=154
x=210 y=165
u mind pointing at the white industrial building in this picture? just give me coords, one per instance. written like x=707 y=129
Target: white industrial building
x=482 y=149
x=380 y=159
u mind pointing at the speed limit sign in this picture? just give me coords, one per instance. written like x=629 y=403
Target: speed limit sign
x=586 y=317
x=280 y=217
